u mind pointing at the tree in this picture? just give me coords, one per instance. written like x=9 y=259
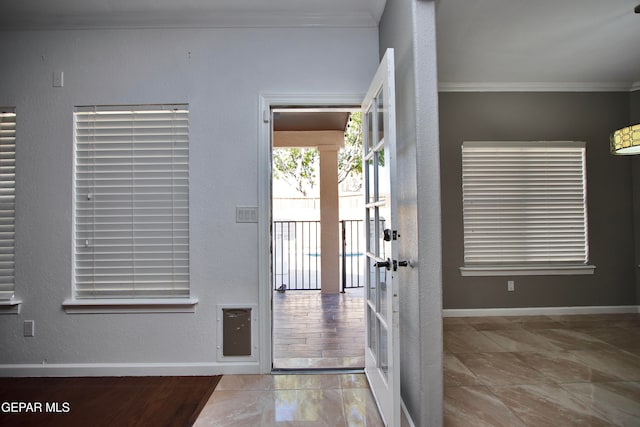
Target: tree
x=350 y=156
x=297 y=166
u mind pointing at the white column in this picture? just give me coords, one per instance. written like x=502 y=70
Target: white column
x=329 y=220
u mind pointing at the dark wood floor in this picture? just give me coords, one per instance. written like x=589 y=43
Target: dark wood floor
x=314 y=330
x=104 y=401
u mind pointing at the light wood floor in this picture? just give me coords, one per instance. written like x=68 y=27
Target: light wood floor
x=542 y=371
x=314 y=330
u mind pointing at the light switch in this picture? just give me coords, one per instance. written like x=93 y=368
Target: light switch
x=246 y=214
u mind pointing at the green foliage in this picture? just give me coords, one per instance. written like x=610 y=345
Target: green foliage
x=297 y=166
x=350 y=156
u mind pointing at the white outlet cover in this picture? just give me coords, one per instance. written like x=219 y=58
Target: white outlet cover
x=246 y=214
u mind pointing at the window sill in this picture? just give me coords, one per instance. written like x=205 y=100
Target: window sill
x=556 y=270
x=95 y=306
x=11 y=306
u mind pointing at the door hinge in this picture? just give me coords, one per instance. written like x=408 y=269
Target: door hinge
x=266 y=116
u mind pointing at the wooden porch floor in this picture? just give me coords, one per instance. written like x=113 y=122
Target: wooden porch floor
x=318 y=331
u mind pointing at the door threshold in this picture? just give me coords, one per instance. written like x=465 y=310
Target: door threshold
x=316 y=371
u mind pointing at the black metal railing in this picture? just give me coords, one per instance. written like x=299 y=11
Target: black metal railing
x=352 y=255
x=296 y=254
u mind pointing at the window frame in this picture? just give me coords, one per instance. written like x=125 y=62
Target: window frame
x=482 y=248
x=133 y=299
x=9 y=303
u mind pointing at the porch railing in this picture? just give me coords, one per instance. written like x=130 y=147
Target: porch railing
x=296 y=254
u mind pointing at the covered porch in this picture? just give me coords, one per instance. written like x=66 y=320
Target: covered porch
x=314 y=330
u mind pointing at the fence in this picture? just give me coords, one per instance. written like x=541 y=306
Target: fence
x=296 y=254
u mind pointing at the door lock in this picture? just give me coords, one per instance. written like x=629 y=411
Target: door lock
x=389 y=234
x=386 y=264
x=397 y=264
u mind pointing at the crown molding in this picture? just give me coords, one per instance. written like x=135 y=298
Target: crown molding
x=537 y=87
x=193 y=21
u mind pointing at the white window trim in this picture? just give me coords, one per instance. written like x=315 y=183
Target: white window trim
x=532 y=269
x=9 y=304
x=150 y=305
x=556 y=270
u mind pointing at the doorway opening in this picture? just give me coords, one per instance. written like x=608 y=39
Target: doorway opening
x=317 y=238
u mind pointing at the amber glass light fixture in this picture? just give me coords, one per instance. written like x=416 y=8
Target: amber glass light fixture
x=626 y=140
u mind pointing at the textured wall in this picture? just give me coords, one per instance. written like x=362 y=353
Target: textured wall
x=220 y=74
x=588 y=117
x=408 y=27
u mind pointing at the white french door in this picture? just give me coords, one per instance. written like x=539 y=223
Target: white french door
x=381 y=302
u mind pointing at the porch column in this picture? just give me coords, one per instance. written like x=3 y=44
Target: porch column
x=328 y=142
x=329 y=220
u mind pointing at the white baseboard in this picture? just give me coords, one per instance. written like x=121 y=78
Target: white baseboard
x=125 y=369
x=539 y=311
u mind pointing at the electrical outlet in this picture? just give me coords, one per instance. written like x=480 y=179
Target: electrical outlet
x=511 y=286
x=29 y=328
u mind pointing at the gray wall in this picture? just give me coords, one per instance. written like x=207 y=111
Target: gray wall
x=588 y=117
x=408 y=27
x=220 y=74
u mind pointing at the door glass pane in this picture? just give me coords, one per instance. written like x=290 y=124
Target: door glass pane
x=373 y=345
x=384 y=354
x=371 y=181
x=380 y=111
x=372 y=247
x=369 y=136
x=384 y=277
x=381 y=235
x=372 y=235
x=371 y=280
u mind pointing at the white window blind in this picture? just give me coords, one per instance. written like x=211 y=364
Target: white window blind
x=132 y=202
x=524 y=203
x=7 y=202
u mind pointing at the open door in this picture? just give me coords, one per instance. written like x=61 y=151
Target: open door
x=382 y=283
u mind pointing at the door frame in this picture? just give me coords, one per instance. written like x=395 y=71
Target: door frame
x=265 y=102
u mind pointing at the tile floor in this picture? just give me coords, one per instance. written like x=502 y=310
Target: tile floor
x=498 y=371
x=542 y=371
x=338 y=400
x=314 y=330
